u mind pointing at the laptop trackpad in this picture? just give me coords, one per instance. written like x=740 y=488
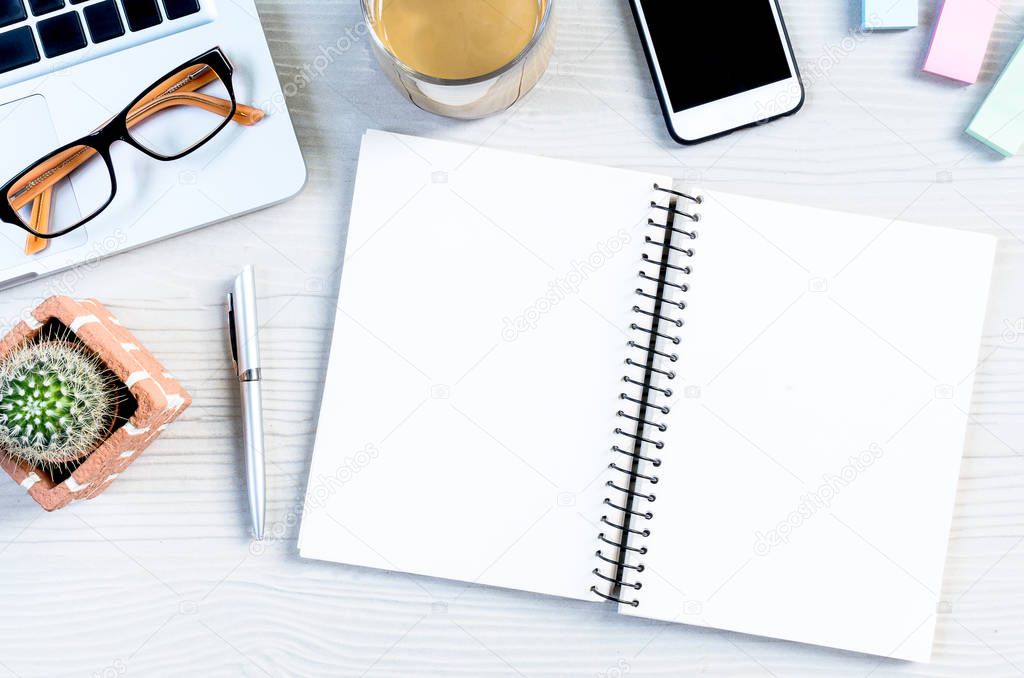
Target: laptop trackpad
x=26 y=134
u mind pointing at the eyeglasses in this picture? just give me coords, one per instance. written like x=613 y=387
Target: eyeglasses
x=175 y=116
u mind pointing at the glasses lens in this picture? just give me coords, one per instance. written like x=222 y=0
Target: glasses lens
x=62 y=191
x=181 y=112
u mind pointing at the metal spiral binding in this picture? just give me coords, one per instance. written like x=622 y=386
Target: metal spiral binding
x=654 y=324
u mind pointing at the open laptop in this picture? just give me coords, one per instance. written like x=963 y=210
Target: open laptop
x=67 y=66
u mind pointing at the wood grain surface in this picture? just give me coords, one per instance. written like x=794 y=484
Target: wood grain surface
x=158 y=577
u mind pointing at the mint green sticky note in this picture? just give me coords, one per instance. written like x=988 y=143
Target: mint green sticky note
x=999 y=123
x=888 y=14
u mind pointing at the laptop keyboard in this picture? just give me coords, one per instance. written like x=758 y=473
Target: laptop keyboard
x=36 y=31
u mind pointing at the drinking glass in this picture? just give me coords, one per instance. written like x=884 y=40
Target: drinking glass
x=474 y=97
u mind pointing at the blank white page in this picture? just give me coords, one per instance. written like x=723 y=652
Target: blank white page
x=469 y=403
x=816 y=431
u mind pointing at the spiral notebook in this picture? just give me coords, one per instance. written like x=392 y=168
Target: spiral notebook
x=604 y=385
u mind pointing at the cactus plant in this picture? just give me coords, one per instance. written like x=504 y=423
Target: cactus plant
x=57 y=402
x=144 y=398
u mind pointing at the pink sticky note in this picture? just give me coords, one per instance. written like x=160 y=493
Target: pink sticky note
x=961 y=38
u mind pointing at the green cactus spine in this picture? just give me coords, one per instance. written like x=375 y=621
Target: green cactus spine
x=57 y=403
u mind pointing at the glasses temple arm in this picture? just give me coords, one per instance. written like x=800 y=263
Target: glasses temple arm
x=243 y=115
x=39 y=221
x=168 y=90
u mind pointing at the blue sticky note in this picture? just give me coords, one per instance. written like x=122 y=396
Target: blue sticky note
x=889 y=14
x=999 y=122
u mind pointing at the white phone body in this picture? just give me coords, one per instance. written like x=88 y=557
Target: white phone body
x=703 y=121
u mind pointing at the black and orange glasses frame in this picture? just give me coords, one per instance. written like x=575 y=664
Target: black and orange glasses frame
x=202 y=84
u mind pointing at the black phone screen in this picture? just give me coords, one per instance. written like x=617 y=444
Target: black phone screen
x=712 y=49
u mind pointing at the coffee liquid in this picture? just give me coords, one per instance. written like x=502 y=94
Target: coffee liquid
x=457 y=39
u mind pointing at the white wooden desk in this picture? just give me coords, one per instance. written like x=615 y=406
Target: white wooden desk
x=157 y=577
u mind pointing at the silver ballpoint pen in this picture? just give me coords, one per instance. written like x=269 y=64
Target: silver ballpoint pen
x=243 y=328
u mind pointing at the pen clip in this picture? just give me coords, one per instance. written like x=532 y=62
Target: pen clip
x=232 y=331
x=244 y=326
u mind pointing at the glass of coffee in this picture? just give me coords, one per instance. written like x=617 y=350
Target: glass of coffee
x=462 y=58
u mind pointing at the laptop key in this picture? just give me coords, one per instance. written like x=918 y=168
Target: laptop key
x=17 y=49
x=11 y=11
x=41 y=7
x=141 y=14
x=179 y=8
x=61 y=34
x=103 y=21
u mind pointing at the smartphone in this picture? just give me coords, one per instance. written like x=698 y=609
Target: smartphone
x=718 y=66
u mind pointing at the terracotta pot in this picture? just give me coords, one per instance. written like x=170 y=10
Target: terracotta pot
x=158 y=398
